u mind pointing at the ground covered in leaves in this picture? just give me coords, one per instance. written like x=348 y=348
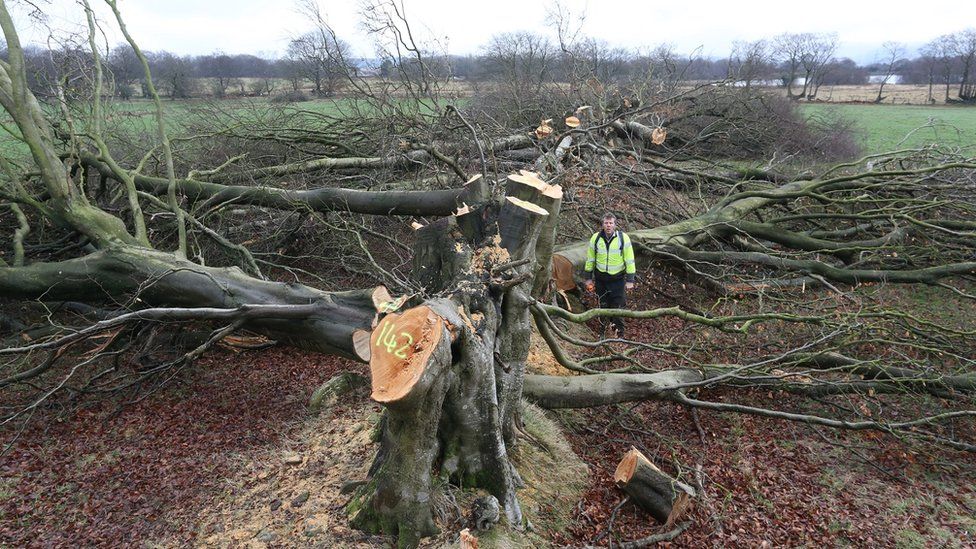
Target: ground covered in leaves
x=113 y=477
x=228 y=455
x=766 y=482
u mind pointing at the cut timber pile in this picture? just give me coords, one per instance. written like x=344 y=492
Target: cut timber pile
x=661 y=495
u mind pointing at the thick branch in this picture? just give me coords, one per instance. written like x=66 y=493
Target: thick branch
x=160 y=279
x=928 y=275
x=325 y=199
x=603 y=389
x=319 y=164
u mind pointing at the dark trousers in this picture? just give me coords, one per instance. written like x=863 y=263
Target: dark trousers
x=613 y=295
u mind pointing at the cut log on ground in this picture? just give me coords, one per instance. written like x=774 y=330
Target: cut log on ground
x=664 y=497
x=562 y=273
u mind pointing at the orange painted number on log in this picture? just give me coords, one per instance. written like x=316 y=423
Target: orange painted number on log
x=388 y=339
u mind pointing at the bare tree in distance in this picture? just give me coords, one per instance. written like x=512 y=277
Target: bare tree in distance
x=126 y=70
x=817 y=62
x=750 y=61
x=942 y=50
x=320 y=58
x=806 y=56
x=964 y=46
x=174 y=75
x=891 y=61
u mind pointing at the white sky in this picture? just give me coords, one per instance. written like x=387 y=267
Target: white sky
x=265 y=26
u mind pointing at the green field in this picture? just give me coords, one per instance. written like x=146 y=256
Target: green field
x=883 y=128
x=134 y=118
x=878 y=128
x=138 y=118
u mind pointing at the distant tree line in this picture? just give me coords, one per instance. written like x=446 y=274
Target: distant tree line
x=800 y=62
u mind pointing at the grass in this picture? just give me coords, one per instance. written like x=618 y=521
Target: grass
x=889 y=127
x=128 y=120
x=7 y=490
x=830 y=479
x=936 y=510
x=555 y=477
x=138 y=117
x=909 y=539
x=880 y=128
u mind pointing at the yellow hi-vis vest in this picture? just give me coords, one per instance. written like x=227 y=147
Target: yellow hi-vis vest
x=613 y=261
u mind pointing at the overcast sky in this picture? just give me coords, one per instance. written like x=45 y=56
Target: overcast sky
x=264 y=26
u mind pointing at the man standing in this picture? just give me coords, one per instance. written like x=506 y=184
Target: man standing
x=610 y=262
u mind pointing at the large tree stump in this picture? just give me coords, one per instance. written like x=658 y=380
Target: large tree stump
x=664 y=497
x=449 y=369
x=410 y=354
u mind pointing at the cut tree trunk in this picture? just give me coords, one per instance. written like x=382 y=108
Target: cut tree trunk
x=661 y=495
x=449 y=370
x=528 y=186
x=402 y=346
x=400 y=488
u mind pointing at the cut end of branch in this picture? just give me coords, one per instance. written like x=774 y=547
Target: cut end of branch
x=383 y=302
x=562 y=273
x=680 y=508
x=627 y=466
x=381 y=296
x=467 y=540
x=360 y=344
x=553 y=191
x=528 y=206
x=533 y=180
x=400 y=348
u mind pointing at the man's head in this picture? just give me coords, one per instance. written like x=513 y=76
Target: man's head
x=609 y=223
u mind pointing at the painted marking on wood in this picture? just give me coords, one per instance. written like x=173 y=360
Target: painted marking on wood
x=389 y=340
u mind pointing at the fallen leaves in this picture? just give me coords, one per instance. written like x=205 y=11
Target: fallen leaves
x=104 y=479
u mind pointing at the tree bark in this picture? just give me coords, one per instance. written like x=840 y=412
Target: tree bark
x=592 y=390
x=399 y=493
